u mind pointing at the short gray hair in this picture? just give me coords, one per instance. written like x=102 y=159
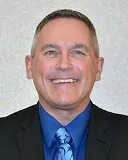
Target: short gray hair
x=66 y=13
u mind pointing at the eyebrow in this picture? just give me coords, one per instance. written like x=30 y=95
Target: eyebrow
x=79 y=46
x=56 y=46
x=47 y=46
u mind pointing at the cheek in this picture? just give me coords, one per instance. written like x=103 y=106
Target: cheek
x=45 y=68
x=88 y=70
x=38 y=68
x=83 y=67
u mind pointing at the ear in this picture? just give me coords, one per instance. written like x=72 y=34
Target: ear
x=28 y=63
x=100 y=63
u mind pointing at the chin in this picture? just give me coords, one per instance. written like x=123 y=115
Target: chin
x=64 y=104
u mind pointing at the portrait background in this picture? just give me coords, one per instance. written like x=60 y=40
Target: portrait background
x=18 y=20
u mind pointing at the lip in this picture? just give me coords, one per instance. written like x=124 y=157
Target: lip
x=72 y=77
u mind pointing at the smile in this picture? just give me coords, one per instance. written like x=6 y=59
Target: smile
x=70 y=80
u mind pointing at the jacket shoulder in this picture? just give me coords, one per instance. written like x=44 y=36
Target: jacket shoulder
x=113 y=119
x=15 y=119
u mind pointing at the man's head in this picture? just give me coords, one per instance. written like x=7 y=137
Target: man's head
x=64 y=64
x=67 y=13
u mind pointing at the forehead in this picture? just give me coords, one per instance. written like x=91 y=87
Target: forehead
x=64 y=20
x=64 y=30
x=65 y=23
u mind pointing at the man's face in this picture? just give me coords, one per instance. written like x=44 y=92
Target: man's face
x=64 y=67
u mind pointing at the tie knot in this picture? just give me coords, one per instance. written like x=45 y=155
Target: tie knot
x=63 y=136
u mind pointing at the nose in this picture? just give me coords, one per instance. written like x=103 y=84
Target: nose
x=64 y=63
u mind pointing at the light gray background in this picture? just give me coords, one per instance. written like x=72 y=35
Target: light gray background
x=18 y=20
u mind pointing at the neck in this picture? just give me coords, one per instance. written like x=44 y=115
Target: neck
x=64 y=115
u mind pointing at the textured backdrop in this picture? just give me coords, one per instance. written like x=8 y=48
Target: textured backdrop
x=18 y=19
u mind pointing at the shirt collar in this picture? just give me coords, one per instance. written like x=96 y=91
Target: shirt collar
x=50 y=125
x=77 y=127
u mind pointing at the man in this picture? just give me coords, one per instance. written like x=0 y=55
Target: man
x=64 y=65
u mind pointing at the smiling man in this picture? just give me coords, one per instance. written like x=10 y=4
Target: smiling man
x=64 y=125
x=64 y=63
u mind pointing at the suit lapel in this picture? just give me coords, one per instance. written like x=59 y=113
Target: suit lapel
x=30 y=139
x=99 y=136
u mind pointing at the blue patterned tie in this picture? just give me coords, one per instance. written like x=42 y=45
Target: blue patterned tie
x=64 y=150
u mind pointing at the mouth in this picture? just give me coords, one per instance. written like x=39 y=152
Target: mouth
x=60 y=81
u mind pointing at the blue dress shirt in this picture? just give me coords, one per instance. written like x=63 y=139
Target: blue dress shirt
x=77 y=128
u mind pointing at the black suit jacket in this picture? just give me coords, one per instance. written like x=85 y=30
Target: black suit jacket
x=20 y=136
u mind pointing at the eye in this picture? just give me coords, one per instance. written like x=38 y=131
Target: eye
x=51 y=53
x=78 y=53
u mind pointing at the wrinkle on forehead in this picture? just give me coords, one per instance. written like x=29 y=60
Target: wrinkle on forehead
x=67 y=46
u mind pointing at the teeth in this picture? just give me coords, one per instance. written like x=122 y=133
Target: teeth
x=64 y=80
